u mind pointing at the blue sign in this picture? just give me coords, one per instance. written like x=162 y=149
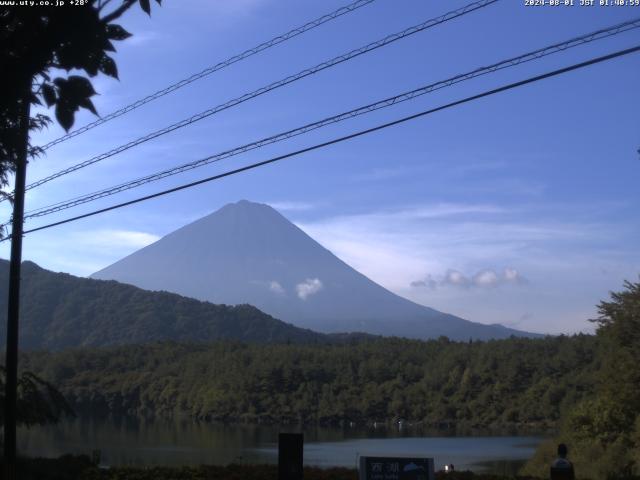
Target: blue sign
x=396 y=468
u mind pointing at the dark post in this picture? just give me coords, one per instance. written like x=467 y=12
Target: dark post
x=11 y=382
x=290 y=456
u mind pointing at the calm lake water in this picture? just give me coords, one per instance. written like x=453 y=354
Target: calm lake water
x=140 y=442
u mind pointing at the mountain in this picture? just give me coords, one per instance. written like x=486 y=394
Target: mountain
x=249 y=253
x=60 y=311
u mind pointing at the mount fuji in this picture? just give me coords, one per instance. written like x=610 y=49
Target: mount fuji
x=248 y=253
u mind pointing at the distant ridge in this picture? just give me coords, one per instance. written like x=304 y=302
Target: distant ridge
x=249 y=253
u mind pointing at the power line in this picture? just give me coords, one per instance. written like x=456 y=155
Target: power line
x=280 y=83
x=212 y=69
x=527 y=57
x=360 y=133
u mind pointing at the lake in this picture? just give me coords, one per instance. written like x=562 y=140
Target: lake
x=145 y=442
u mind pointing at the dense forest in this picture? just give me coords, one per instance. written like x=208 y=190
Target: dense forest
x=497 y=384
x=60 y=311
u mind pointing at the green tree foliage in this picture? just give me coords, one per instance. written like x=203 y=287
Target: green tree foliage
x=39 y=403
x=525 y=383
x=62 y=311
x=603 y=430
x=39 y=47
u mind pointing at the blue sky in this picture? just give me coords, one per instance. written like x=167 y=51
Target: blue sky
x=518 y=209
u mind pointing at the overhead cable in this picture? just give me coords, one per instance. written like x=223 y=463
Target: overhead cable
x=212 y=69
x=387 y=102
x=360 y=133
x=280 y=83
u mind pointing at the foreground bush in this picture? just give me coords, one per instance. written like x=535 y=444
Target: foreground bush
x=69 y=467
x=603 y=429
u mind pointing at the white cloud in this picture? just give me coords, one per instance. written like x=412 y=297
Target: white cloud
x=142 y=38
x=377 y=174
x=115 y=239
x=450 y=209
x=427 y=282
x=309 y=287
x=276 y=288
x=454 y=277
x=511 y=275
x=437 y=210
x=486 y=278
x=293 y=206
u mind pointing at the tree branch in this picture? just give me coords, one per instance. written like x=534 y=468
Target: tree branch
x=117 y=13
x=102 y=4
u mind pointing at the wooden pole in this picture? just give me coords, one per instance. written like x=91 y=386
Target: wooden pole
x=13 y=314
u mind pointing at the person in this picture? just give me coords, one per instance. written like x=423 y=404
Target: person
x=561 y=468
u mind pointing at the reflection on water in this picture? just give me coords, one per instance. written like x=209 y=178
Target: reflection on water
x=127 y=441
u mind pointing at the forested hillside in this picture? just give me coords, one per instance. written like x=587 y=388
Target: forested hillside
x=515 y=382
x=62 y=311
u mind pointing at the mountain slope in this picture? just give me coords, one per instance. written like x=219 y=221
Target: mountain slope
x=249 y=253
x=60 y=311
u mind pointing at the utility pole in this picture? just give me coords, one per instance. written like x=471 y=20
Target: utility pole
x=11 y=365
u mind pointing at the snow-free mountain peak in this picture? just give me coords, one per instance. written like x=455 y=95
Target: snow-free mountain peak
x=248 y=252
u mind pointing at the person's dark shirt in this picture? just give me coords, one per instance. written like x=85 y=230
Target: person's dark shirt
x=562 y=469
